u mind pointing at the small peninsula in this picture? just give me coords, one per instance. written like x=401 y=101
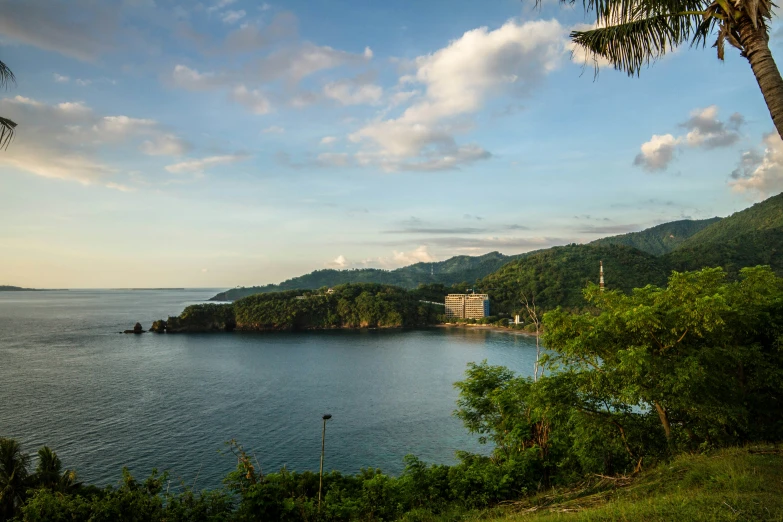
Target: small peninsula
x=349 y=306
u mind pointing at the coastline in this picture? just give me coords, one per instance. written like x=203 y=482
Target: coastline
x=489 y=327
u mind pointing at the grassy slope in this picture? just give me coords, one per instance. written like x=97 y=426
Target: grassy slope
x=660 y=239
x=730 y=485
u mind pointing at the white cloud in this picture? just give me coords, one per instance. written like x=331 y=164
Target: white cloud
x=59 y=78
x=232 y=17
x=254 y=100
x=708 y=132
x=165 y=145
x=339 y=262
x=65 y=140
x=368 y=53
x=761 y=174
x=274 y=129
x=349 y=93
x=420 y=255
x=200 y=165
x=328 y=140
x=657 y=153
x=83 y=83
x=457 y=79
x=705 y=131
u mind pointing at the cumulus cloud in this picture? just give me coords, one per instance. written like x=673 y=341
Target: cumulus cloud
x=254 y=100
x=710 y=133
x=274 y=129
x=64 y=140
x=657 y=153
x=59 y=78
x=328 y=140
x=200 y=165
x=457 y=80
x=339 y=262
x=705 y=131
x=760 y=173
x=419 y=255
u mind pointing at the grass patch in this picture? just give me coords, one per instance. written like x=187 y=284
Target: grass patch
x=728 y=485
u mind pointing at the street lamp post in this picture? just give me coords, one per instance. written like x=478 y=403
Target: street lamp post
x=326 y=417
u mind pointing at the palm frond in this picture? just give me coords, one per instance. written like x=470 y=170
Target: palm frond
x=630 y=45
x=6 y=76
x=6 y=132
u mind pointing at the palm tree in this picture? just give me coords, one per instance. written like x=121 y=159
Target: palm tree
x=14 y=478
x=49 y=473
x=6 y=126
x=633 y=33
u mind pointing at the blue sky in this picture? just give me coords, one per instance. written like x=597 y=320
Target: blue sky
x=223 y=143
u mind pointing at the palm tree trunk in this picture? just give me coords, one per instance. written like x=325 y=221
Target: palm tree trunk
x=756 y=50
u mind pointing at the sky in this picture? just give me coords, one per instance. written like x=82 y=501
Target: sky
x=168 y=143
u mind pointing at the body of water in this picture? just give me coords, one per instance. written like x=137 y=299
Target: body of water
x=104 y=400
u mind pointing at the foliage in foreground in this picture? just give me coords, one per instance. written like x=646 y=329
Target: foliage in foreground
x=634 y=382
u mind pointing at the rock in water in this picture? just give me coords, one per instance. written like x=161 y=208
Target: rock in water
x=137 y=329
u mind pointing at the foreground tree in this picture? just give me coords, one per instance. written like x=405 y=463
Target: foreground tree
x=633 y=33
x=6 y=126
x=703 y=355
x=14 y=477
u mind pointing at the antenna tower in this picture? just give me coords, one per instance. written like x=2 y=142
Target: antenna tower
x=601 y=279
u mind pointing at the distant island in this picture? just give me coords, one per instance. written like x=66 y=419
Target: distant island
x=9 y=288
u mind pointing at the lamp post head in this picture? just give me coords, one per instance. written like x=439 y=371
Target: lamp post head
x=327 y=416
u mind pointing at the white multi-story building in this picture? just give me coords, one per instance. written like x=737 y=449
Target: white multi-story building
x=467 y=306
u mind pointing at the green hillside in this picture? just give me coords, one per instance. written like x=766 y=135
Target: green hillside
x=762 y=216
x=660 y=239
x=455 y=270
x=556 y=276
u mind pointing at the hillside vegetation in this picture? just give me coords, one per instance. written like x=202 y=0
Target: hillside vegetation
x=557 y=276
x=660 y=239
x=451 y=271
x=762 y=216
x=355 y=305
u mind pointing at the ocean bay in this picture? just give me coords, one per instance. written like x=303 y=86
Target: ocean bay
x=104 y=400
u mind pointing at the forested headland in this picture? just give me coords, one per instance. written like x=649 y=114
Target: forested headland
x=355 y=305
x=633 y=387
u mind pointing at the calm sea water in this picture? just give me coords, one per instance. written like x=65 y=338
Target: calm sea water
x=104 y=400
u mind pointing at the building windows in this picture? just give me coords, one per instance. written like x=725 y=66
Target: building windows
x=467 y=306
